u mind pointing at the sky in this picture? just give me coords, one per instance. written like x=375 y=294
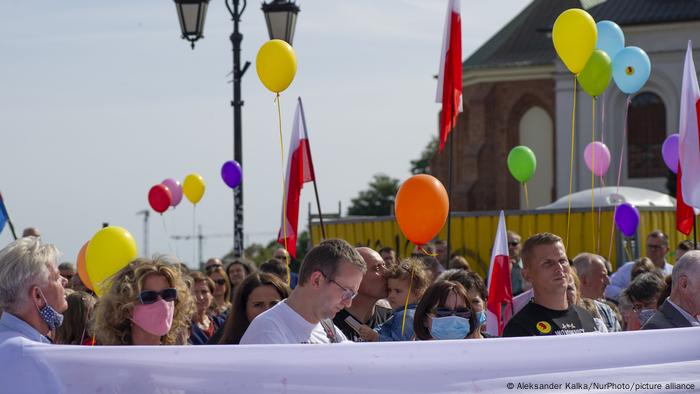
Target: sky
x=99 y=101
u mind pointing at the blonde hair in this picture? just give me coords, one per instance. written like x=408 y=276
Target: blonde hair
x=112 y=318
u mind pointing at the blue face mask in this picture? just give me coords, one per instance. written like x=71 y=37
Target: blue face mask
x=50 y=316
x=481 y=318
x=449 y=327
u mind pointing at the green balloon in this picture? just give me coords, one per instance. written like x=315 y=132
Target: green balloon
x=596 y=76
x=522 y=163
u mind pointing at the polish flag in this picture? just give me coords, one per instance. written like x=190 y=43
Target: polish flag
x=500 y=301
x=300 y=169
x=449 y=88
x=685 y=214
x=688 y=145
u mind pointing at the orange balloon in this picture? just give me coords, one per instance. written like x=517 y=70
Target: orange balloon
x=422 y=206
x=82 y=268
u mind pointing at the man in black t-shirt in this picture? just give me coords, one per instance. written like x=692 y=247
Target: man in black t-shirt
x=364 y=309
x=546 y=266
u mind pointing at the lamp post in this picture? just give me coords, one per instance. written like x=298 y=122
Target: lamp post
x=281 y=21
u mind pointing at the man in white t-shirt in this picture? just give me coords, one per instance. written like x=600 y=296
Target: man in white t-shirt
x=329 y=278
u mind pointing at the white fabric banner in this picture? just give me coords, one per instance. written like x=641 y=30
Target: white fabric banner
x=660 y=361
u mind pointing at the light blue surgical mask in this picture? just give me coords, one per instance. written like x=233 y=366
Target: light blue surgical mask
x=481 y=318
x=449 y=327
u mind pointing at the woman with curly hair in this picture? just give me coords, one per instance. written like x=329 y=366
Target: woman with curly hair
x=148 y=303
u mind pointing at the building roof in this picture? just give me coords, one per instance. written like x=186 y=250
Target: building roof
x=525 y=41
x=644 y=12
x=610 y=196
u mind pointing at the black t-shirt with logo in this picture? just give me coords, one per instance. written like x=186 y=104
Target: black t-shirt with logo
x=536 y=320
x=343 y=320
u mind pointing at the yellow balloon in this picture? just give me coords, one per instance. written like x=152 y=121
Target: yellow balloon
x=574 y=35
x=109 y=250
x=276 y=64
x=193 y=187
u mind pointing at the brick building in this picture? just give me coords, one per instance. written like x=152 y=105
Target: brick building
x=517 y=92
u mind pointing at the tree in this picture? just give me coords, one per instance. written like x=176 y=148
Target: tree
x=378 y=200
x=422 y=164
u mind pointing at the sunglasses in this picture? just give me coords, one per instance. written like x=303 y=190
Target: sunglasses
x=149 y=297
x=220 y=282
x=513 y=243
x=459 y=312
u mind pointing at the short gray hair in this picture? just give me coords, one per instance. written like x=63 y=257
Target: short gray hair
x=23 y=263
x=688 y=265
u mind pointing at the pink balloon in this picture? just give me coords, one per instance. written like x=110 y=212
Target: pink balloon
x=597 y=154
x=175 y=191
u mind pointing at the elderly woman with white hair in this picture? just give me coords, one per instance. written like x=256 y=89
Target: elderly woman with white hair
x=31 y=290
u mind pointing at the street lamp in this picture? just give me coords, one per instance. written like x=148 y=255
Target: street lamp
x=191 y=14
x=281 y=18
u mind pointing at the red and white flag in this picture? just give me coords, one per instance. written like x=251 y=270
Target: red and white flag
x=500 y=301
x=449 y=88
x=300 y=169
x=688 y=145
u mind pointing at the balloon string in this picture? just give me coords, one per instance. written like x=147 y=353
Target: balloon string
x=194 y=239
x=571 y=166
x=425 y=252
x=619 y=170
x=593 y=104
x=405 y=308
x=284 y=190
x=167 y=234
x=602 y=179
x=527 y=207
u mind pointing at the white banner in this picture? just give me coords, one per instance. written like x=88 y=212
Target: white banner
x=660 y=361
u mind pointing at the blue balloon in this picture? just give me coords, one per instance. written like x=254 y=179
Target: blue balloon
x=611 y=39
x=631 y=69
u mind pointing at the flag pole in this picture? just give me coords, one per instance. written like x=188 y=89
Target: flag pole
x=318 y=200
x=7 y=215
x=449 y=196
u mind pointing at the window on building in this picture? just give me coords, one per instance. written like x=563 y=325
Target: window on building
x=646 y=131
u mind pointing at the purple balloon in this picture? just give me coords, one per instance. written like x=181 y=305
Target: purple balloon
x=175 y=191
x=669 y=151
x=231 y=173
x=627 y=219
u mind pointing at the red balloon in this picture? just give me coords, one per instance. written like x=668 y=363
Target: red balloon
x=160 y=198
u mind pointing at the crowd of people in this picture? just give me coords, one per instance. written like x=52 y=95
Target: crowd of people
x=343 y=293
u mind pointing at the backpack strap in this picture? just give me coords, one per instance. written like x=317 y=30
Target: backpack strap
x=329 y=328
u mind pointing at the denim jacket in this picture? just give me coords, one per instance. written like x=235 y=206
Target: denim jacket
x=391 y=329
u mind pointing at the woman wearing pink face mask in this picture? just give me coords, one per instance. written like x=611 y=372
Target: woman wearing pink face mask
x=148 y=303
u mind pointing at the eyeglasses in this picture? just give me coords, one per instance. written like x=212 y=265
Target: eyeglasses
x=220 y=282
x=149 y=297
x=214 y=267
x=380 y=267
x=655 y=247
x=347 y=293
x=459 y=312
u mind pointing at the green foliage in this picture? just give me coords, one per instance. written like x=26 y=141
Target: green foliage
x=422 y=164
x=378 y=200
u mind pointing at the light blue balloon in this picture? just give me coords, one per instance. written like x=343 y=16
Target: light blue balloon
x=631 y=69
x=611 y=39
